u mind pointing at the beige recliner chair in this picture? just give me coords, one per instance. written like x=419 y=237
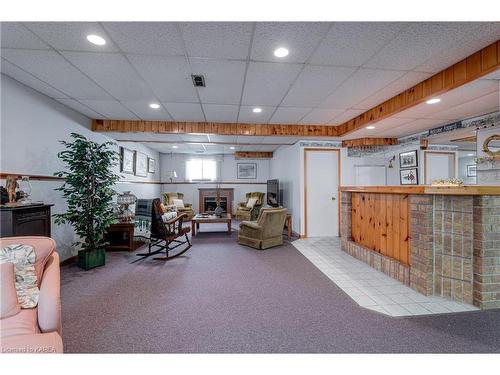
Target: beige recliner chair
x=266 y=232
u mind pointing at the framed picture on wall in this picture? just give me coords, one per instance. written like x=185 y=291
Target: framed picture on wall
x=141 y=164
x=408 y=159
x=126 y=160
x=247 y=170
x=408 y=176
x=471 y=170
x=151 y=165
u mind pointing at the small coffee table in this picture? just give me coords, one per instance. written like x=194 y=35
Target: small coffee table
x=210 y=219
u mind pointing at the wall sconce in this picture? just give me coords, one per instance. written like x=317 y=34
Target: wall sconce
x=391 y=161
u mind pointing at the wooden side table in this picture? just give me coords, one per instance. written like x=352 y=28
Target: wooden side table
x=121 y=237
x=288 y=223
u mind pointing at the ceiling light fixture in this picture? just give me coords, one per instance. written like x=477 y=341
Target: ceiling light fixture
x=175 y=146
x=470 y=154
x=370 y=127
x=433 y=101
x=232 y=147
x=96 y=39
x=280 y=52
x=154 y=105
x=257 y=110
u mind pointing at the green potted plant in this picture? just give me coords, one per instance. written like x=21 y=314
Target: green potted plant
x=88 y=190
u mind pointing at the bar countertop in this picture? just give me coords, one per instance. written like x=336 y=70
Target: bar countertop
x=425 y=189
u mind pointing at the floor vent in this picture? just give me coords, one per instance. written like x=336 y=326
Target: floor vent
x=198 y=80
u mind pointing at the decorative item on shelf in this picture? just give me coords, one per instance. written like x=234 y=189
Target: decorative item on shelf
x=171 y=175
x=393 y=159
x=25 y=187
x=11 y=186
x=124 y=200
x=218 y=210
x=447 y=182
x=491 y=146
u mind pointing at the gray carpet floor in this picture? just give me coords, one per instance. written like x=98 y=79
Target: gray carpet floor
x=225 y=298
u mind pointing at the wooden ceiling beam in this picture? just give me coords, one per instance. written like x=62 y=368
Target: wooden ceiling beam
x=365 y=142
x=253 y=155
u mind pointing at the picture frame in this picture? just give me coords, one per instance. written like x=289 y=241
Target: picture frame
x=127 y=160
x=141 y=164
x=408 y=159
x=247 y=171
x=151 y=165
x=408 y=176
x=471 y=170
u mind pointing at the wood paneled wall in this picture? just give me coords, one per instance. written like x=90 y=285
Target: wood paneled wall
x=381 y=222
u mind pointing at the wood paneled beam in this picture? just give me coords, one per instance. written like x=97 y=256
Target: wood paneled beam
x=362 y=142
x=253 y=155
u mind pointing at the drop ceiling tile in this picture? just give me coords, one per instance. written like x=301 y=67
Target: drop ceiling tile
x=288 y=115
x=392 y=89
x=168 y=77
x=79 y=107
x=249 y=139
x=194 y=137
x=300 y=38
x=418 y=42
x=148 y=38
x=29 y=80
x=15 y=35
x=53 y=69
x=413 y=127
x=71 y=36
x=353 y=43
x=346 y=116
x=469 y=109
x=321 y=116
x=144 y=112
x=279 y=140
x=359 y=86
x=246 y=115
x=111 y=109
x=220 y=112
x=219 y=89
x=112 y=72
x=267 y=83
x=492 y=76
x=223 y=138
x=314 y=84
x=268 y=148
x=185 y=111
x=217 y=39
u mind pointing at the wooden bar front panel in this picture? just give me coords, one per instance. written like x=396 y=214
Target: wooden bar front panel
x=381 y=222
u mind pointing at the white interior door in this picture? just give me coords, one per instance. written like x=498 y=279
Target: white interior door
x=322 y=200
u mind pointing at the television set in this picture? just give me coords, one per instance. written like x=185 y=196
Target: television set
x=273 y=193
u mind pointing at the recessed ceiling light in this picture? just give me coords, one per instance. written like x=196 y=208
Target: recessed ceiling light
x=370 y=127
x=154 y=105
x=175 y=146
x=433 y=101
x=470 y=154
x=257 y=110
x=280 y=52
x=96 y=39
x=232 y=147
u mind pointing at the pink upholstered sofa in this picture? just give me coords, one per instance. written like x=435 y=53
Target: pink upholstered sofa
x=35 y=330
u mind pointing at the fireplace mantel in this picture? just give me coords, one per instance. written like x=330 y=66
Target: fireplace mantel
x=227 y=193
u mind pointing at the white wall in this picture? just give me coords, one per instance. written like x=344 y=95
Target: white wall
x=463 y=162
x=32 y=125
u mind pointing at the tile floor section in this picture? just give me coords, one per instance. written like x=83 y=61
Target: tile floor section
x=370 y=288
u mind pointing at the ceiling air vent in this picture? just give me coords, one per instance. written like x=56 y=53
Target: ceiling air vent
x=198 y=80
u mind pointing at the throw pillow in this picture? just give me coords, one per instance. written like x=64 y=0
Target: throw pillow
x=179 y=203
x=10 y=305
x=163 y=208
x=23 y=257
x=251 y=202
x=169 y=216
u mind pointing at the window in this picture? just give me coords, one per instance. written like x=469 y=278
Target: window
x=201 y=170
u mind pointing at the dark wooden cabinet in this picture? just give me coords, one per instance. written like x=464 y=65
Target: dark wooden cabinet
x=121 y=237
x=32 y=220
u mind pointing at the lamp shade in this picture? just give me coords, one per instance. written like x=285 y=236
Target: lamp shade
x=171 y=174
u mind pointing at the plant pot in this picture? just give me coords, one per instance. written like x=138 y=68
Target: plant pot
x=91 y=259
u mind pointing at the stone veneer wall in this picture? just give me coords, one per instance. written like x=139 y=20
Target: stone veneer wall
x=453 y=233
x=486 y=252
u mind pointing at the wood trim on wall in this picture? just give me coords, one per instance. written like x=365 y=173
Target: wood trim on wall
x=34 y=177
x=323 y=149
x=439 y=152
x=253 y=155
x=360 y=142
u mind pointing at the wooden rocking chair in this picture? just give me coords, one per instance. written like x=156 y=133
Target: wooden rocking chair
x=164 y=234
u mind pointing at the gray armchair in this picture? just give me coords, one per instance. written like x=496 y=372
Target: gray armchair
x=266 y=232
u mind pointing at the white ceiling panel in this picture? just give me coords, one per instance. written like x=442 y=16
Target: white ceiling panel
x=223 y=138
x=300 y=38
x=267 y=83
x=144 y=112
x=53 y=69
x=353 y=43
x=148 y=38
x=288 y=115
x=321 y=116
x=268 y=148
x=345 y=116
x=246 y=114
x=249 y=139
x=29 y=80
x=113 y=73
x=493 y=75
x=71 y=36
x=279 y=140
x=314 y=84
x=360 y=85
x=194 y=137
x=185 y=111
x=220 y=89
x=217 y=39
x=220 y=112
x=168 y=77
x=110 y=109
x=79 y=107
x=471 y=108
x=416 y=44
x=15 y=35
x=394 y=88
x=381 y=127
